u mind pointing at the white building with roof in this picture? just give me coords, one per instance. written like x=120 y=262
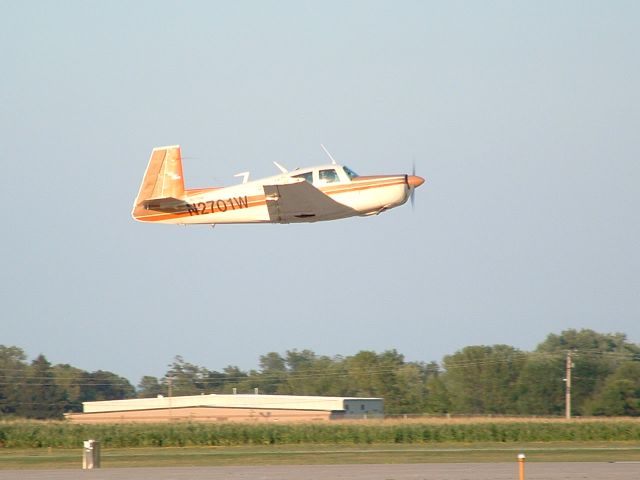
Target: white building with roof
x=216 y=407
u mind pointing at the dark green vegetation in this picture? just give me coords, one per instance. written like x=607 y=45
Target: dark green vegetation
x=40 y=390
x=37 y=434
x=496 y=379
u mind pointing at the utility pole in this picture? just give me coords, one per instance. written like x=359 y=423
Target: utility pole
x=170 y=396
x=568 y=387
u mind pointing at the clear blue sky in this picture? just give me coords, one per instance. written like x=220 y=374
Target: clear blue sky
x=523 y=116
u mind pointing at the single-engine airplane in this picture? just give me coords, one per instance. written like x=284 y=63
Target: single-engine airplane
x=313 y=194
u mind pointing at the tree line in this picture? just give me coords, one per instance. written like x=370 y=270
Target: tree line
x=497 y=379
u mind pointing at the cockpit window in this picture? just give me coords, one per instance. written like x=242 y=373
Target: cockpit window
x=328 y=176
x=350 y=173
x=307 y=176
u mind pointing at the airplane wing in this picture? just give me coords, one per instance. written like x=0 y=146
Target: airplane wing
x=302 y=202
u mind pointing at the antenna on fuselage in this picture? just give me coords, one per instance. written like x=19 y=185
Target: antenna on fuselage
x=244 y=175
x=282 y=169
x=333 y=160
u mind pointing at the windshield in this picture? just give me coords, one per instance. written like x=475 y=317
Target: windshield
x=350 y=173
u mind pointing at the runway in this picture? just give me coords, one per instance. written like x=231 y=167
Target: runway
x=427 y=471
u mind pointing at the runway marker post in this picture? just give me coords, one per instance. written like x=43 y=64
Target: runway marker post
x=521 y=458
x=91 y=455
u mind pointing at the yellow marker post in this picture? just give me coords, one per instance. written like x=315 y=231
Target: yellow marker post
x=521 y=458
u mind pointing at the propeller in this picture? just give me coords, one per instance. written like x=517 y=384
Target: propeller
x=413 y=190
x=413 y=181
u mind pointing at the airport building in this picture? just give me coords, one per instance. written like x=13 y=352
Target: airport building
x=229 y=408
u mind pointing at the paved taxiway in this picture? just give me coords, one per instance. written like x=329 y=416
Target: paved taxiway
x=427 y=471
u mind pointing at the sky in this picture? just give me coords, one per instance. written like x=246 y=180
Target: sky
x=524 y=118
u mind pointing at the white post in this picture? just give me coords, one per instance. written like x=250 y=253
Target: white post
x=91 y=455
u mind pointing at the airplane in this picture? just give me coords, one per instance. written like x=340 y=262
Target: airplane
x=313 y=194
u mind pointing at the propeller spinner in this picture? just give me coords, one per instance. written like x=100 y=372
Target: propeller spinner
x=413 y=181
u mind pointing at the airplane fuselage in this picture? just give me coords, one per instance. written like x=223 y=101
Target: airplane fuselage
x=263 y=200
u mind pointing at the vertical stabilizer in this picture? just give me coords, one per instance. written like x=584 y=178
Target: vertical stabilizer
x=163 y=179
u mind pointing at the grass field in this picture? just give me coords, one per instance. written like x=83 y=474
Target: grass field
x=29 y=444
x=314 y=454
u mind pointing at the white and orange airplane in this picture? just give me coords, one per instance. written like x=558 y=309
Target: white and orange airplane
x=326 y=192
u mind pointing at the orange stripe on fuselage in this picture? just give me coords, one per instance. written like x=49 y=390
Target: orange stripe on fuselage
x=357 y=184
x=255 y=201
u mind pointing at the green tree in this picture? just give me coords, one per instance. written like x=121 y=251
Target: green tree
x=481 y=379
x=587 y=340
x=235 y=377
x=70 y=383
x=13 y=368
x=371 y=374
x=411 y=389
x=437 y=400
x=212 y=381
x=273 y=373
x=103 y=385
x=149 y=387
x=620 y=394
x=186 y=378
x=541 y=388
x=272 y=362
x=310 y=374
x=40 y=397
x=299 y=361
x=324 y=376
x=595 y=356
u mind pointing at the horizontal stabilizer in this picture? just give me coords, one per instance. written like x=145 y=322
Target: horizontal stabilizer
x=167 y=205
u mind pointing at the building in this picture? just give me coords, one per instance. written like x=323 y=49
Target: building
x=229 y=408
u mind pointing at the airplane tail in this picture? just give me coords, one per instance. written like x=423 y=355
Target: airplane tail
x=162 y=184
